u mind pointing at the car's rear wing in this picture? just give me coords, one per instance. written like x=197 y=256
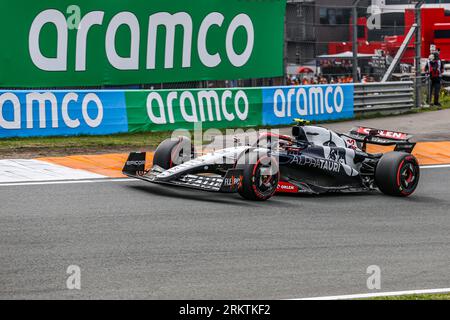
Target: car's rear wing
x=365 y=135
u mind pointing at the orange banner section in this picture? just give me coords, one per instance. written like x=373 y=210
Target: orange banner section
x=110 y=165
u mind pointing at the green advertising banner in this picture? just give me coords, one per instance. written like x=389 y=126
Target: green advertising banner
x=51 y=43
x=166 y=110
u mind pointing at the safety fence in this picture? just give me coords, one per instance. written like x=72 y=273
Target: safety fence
x=103 y=112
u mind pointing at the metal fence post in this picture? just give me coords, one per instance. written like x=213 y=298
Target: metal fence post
x=418 y=81
x=355 y=40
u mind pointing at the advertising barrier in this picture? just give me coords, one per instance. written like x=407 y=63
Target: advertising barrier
x=314 y=103
x=60 y=113
x=181 y=109
x=69 y=113
x=115 y=42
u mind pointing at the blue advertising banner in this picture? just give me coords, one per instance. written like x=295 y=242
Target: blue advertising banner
x=281 y=105
x=60 y=113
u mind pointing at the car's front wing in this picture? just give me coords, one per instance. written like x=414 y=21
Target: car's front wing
x=230 y=183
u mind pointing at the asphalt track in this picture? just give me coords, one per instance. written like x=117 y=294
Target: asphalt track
x=133 y=240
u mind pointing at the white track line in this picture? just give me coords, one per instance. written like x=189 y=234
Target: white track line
x=439 y=166
x=379 y=294
x=65 y=182
x=103 y=180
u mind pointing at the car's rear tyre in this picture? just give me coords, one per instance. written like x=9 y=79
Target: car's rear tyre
x=397 y=174
x=261 y=175
x=172 y=152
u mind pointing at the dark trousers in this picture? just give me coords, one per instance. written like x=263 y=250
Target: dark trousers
x=435 y=90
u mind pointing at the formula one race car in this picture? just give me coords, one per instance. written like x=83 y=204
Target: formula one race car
x=314 y=160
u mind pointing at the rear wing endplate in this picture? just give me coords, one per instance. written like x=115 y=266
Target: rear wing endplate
x=366 y=136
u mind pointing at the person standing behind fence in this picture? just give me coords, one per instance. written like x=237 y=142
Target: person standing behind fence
x=434 y=69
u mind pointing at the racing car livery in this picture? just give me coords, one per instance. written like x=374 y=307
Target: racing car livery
x=314 y=160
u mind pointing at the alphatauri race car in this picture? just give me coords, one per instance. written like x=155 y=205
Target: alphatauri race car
x=314 y=160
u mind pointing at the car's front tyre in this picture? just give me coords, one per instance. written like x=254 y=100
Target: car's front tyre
x=172 y=152
x=261 y=175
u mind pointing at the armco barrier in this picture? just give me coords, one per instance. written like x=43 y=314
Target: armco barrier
x=68 y=113
x=384 y=96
